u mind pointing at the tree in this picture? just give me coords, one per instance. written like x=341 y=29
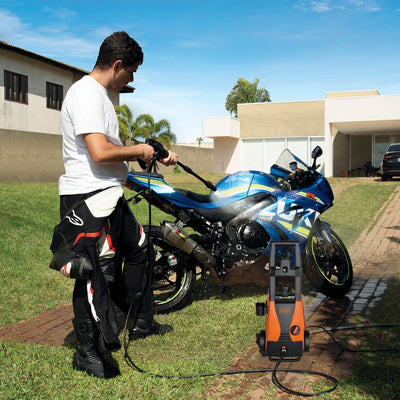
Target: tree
x=125 y=121
x=145 y=127
x=199 y=139
x=245 y=92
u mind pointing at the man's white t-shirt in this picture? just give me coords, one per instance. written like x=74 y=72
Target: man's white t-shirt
x=87 y=108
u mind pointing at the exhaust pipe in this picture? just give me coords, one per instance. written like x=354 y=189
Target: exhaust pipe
x=179 y=238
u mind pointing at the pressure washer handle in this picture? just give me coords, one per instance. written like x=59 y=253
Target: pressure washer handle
x=159 y=149
x=294 y=244
x=142 y=164
x=159 y=152
x=190 y=171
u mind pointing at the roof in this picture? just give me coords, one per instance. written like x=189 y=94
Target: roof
x=55 y=63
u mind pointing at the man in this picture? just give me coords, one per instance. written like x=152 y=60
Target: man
x=95 y=216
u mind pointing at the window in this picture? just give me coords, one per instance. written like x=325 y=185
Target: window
x=54 y=95
x=15 y=87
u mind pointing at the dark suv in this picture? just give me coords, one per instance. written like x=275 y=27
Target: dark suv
x=391 y=162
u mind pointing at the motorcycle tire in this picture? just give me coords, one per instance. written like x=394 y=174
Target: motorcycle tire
x=331 y=274
x=173 y=286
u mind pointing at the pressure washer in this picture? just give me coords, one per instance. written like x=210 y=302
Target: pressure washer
x=285 y=336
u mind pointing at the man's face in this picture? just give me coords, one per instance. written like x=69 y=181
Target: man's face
x=123 y=75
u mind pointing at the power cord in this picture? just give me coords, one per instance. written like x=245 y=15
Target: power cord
x=279 y=384
x=146 y=274
x=276 y=369
x=355 y=327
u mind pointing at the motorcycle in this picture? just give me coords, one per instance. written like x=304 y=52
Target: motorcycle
x=228 y=233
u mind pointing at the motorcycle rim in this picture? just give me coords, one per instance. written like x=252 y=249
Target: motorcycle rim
x=173 y=288
x=330 y=272
x=168 y=295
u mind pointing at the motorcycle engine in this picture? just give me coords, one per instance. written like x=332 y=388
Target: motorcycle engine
x=253 y=237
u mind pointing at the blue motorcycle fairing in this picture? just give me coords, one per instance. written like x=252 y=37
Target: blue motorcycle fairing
x=293 y=214
x=230 y=189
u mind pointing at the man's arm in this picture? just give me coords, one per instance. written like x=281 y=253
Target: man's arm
x=104 y=152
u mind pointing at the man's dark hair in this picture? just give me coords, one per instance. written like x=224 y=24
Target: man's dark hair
x=119 y=46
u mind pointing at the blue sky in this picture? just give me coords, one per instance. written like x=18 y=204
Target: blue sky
x=196 y=50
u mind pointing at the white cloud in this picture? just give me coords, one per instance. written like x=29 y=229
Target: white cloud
x=11 y=26
x=51 y=41
x=60 y=13
x=195 y=44
x=312 y=5
x=329 y=5
x=366 y=5
x=320 y=6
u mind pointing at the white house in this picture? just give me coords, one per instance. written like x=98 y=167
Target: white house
x=32 y=88
x=352 y=128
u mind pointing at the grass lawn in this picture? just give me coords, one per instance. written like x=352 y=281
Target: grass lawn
x=207 y=335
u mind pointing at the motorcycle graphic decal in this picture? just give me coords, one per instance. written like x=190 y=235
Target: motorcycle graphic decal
x=232 y=191
x=311 y=196
x=262 y=187
x=156 y=184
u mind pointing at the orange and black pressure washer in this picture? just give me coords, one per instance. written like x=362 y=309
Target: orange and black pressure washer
x=285 y=337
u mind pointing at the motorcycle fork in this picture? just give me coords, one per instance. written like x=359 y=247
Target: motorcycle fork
x=322 y=230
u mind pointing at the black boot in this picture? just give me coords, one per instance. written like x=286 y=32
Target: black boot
x=87 y=358
x=146 y=326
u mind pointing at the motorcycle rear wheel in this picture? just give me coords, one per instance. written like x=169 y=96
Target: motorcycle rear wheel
x=330 y=273
x=173 y=287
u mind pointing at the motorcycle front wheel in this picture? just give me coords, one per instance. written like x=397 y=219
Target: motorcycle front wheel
x=329 y=270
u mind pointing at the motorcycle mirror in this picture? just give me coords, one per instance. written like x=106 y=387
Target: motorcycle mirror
x=293 y=165
x=317 y=152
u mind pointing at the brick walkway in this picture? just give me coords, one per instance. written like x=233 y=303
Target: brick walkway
x=374 y=257
x=53 y=327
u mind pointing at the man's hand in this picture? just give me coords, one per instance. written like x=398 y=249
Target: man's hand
x=145 y=152
x=172 y=159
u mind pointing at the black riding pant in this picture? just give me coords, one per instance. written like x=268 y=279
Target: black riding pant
x=132 y=247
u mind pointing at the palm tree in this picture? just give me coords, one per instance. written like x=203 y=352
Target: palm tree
x=245 y=92
x=145 y=127
x=125 y=122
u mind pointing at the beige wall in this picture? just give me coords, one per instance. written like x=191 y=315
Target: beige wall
x=361 y=151
x=351 y=152
x=281 y=119
x=199 y=159
x=341 y=149
x=352 y=93
x=30 y=156
x=38 y=157
x=228 y=155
